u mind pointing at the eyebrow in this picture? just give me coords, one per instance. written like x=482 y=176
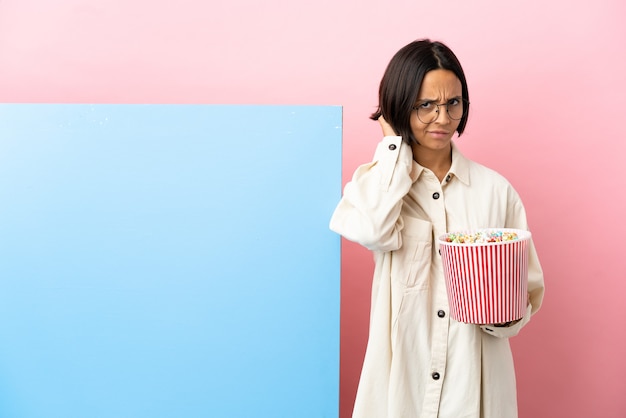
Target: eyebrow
x=434 y=100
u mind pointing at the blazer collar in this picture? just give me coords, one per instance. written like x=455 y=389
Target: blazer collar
x=459 y=168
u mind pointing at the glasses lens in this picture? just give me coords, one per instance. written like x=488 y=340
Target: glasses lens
x=427 y=114
x=455 y=109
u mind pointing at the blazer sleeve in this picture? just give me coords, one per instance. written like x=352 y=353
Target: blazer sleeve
x=369 y=211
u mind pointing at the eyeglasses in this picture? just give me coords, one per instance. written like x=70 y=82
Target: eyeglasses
x=428 y=111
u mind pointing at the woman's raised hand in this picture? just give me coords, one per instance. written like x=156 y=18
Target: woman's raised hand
x=387 y=129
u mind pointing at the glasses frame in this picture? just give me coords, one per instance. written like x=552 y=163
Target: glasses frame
x=464 y=102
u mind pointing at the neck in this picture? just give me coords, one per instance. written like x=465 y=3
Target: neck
x=437 y=161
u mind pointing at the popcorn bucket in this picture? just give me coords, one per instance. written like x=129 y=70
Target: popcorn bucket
x=487 y=283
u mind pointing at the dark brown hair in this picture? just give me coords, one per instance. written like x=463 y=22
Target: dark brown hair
x=403 y=79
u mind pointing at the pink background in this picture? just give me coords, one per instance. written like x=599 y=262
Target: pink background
x=547 y=89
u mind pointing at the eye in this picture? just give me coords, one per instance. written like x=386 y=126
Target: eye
x=425 y=105
x=454 y=102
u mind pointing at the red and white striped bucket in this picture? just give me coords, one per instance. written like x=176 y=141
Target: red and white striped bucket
x=487 y=283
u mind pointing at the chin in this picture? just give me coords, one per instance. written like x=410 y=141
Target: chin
x=438 y=145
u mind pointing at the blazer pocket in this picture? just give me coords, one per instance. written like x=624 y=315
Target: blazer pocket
x=414 y=257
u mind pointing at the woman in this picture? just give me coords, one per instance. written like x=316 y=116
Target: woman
x=419 y=362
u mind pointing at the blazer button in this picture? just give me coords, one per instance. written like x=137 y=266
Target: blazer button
x=441 y=313
x=392 y=147
x=435 y=195
x=435 y=376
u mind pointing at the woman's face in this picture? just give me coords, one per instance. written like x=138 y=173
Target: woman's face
x=439 y=87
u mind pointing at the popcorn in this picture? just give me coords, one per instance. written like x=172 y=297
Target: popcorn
x=481 y=237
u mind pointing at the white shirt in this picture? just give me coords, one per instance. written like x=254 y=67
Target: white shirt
x=419 y=362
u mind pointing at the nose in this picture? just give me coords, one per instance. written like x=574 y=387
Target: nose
x=442 y=110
